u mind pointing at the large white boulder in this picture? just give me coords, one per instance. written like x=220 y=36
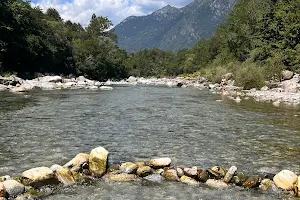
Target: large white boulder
x=98 y=161
x=285 y=179
x=38 y=176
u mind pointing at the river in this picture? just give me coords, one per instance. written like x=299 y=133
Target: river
x=139 y=122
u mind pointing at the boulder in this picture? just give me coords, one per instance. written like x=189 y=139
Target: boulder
x=159 y=163
x=132 y=79
x=55 y=167
x=81 y=78
x=122 y=177
x=188 y=180
x=180 y=172
x=155 y=178
x=113 y=168
x=140 y=164
x=171 y=175
x=80 y=161
x=265 y=185
x=230 y=174
x=38 y=176
x=128 y=168
x=221 y=171
x=98 y=161
x=290 y=86
x=65 y=176
x=144 y=171
x=191 y=172
x=287 y=75
x=239 y=179
x=285 y=179
x=203 y=175
x=13 y=188
x=252 y=182
x=2 y=190
x=68 y=85
x=216 y=184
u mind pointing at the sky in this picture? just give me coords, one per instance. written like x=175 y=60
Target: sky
x=117 y=10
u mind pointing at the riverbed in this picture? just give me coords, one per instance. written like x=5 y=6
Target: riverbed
x=135 y=123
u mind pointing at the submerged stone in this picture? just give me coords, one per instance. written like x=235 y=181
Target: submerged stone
x=156 y=178
x=216 y=184
x=122 y=177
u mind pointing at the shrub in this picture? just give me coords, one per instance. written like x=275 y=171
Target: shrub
x=249 y=76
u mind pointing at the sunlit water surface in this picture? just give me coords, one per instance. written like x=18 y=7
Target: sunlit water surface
x=137 y=123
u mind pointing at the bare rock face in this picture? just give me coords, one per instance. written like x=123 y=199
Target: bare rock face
x=38 y=176
x=285 y=180
x=13 y=188
x=98 y=161
x=159 y=162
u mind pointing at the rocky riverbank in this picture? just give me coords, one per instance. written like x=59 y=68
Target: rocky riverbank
x=87 y=168
x=285 y=92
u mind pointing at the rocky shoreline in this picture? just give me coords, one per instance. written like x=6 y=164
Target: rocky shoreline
x=284 y=92
x=88 y=168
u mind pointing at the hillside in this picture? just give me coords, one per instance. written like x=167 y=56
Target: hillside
x=173 y=28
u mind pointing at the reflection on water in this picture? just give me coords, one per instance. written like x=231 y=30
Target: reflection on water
x=137 y=123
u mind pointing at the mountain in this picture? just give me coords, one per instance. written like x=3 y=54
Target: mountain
x=171 y=28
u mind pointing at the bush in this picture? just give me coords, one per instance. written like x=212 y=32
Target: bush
x=214 y=74
x=249 y=76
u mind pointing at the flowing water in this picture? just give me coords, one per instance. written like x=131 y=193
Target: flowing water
x=137 y=123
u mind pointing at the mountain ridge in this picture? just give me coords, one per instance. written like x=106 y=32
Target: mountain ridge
x=171 y=28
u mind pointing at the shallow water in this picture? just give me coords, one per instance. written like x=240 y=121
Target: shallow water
x=137 y=123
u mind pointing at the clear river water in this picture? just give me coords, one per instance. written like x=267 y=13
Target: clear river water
x=139 y=122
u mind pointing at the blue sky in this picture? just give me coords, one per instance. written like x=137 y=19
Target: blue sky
x=117 y=10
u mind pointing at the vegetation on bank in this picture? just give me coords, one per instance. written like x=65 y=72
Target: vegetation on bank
x=256 y=43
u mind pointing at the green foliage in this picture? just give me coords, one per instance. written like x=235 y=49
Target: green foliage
x=249 y=76
x=33 y=42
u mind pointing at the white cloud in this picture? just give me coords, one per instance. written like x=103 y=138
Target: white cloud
x=116 y=10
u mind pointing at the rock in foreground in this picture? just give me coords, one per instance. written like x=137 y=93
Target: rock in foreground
x=38 y=176
x=285 y=179
x=159 y=162
x=98 y=161
x=13 y=188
